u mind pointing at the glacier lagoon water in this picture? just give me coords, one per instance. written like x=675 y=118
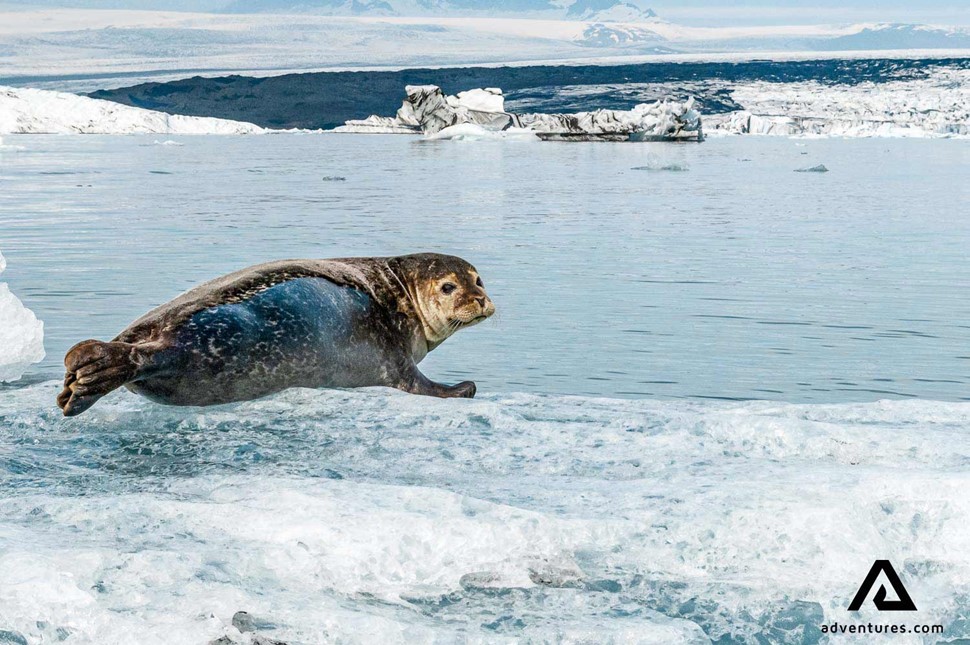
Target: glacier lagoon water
x=594 y=492
x=739 y=278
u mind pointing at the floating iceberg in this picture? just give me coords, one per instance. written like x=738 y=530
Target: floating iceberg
x=937 y=105
x=30 y=111
x=475 y=132
x=21 y=334
x=429 y=111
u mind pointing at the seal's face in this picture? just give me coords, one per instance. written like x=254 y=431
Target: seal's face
x=448 y=293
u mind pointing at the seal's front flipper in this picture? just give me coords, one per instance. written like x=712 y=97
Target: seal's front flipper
x=421 y=384
x=95 y=368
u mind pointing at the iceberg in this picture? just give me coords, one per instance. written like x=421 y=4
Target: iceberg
x=937 y=105
x=21 y=334
x=32 y=111
x=475 y=132
x=429 y=111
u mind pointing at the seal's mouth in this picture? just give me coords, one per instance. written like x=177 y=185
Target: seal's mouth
x=458 y=323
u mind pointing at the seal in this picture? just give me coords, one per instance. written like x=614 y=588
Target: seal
x=346 y=322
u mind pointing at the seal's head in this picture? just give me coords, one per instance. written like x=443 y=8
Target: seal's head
x=446 y=291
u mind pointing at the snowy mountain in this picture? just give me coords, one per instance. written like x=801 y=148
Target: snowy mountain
x=85 y=50
x=608 y=11
x=601 y=10
x=899 y=36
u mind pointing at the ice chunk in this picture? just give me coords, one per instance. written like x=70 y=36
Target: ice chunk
x=932 y=106
x=672 y=167
x=489 y=99
x=33 y=111
x=664 y=120
x=744 y=122
x=475 y=132
x=378 y=125
x=21 y=334
x=428 y=110
x=818 y=168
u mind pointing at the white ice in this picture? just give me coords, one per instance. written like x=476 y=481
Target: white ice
x=33 y=111
x=373 y=516
x=475 y=132
x=470 y=114
x=21 y=334
x=935 y=106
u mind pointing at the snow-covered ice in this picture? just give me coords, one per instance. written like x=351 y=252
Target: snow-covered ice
x=935 y=106
x=21 y=334
x=379 y=517
x=475 y=132
x=33 y=111
x=427 y=109
x=666 y=119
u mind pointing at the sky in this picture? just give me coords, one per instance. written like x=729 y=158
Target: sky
x=690 y=12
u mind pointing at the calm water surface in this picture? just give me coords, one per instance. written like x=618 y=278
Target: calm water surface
x=737 y=278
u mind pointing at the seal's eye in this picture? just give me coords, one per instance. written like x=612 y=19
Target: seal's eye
x=479 y=283
x=447 y=288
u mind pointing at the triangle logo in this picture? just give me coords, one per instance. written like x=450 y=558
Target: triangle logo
x=904 y=602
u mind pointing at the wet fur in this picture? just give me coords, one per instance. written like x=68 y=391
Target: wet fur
x=347 y=322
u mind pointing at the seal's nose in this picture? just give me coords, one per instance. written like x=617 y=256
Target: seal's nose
x=481 y=302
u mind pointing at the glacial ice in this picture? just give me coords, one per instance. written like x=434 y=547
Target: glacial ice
x=935 y=106
x=372 y=516
x=475 y=132
x=428 y=110
x=662 y=167
x=32 y=111
x=21 y=334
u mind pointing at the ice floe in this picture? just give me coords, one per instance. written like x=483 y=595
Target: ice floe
x=935 y=106
x=660 y=167
x=475 y=132
x=21 y=334
x=428 y=110
x=373 y=516
x=32 y=111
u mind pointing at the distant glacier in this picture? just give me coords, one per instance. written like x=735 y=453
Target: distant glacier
x=831 y=97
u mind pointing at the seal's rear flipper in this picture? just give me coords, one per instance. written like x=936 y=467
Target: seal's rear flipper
x=95 y=368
